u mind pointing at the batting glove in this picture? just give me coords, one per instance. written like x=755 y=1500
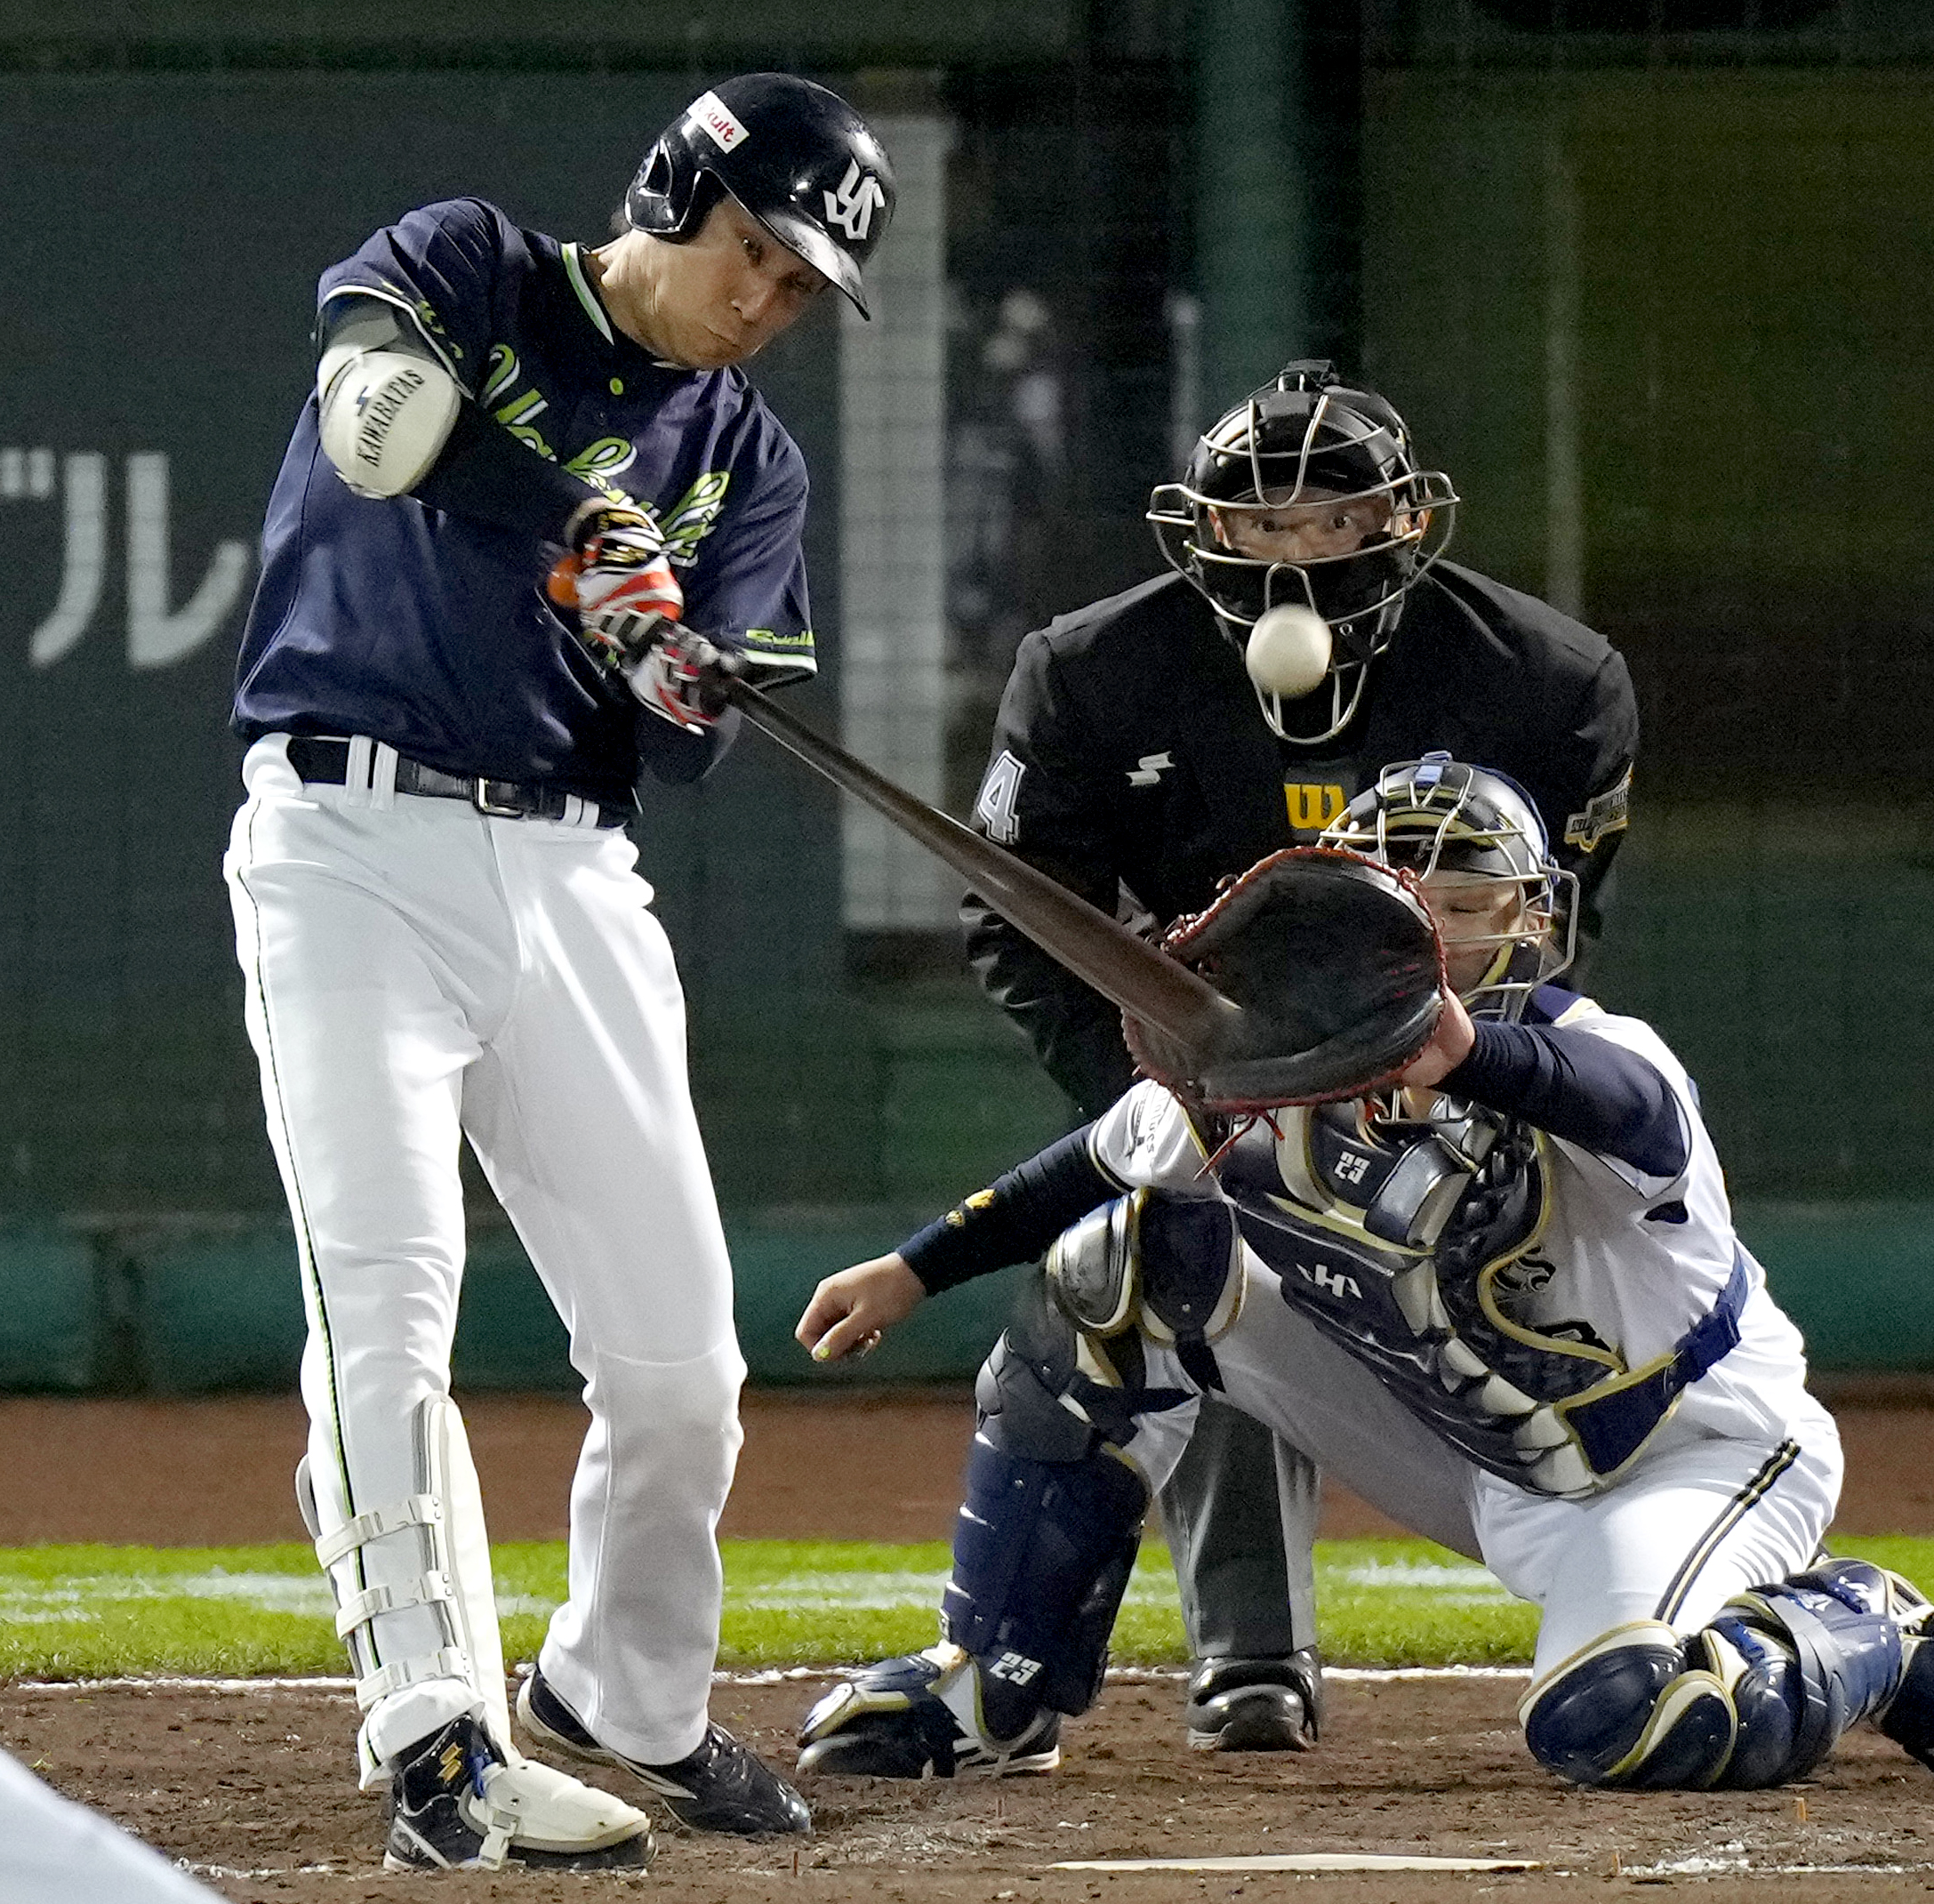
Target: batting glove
x=678 y=680
x=621 y=584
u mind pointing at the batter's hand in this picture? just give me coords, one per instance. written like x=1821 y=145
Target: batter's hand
x=1450 y=1044
x=621 y=584
x=855 y=1308
x=678 y=677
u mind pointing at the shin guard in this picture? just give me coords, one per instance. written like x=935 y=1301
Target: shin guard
x=451 y=1581
x=1755 y=1699
x=1042 y=1551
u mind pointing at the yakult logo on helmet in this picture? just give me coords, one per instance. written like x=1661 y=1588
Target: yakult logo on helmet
x=851 y=207
x=720 y=128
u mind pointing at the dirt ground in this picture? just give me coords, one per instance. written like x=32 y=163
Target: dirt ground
x=251 y=1788
x=882 y=1465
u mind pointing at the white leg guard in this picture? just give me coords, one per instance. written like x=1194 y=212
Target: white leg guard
x=404 y=1700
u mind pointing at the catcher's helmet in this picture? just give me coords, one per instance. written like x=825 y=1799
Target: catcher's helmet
x=1302 y=438
x=797 y=157
x=1440 y=815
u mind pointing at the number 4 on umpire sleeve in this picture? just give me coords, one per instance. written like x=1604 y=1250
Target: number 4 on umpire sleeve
x=994 y=807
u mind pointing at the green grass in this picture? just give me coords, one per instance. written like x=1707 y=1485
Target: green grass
x=87 y=1612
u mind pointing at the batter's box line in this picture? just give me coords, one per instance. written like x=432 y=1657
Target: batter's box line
x=343 y=1687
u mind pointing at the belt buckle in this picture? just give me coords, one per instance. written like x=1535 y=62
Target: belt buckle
x=480 y=799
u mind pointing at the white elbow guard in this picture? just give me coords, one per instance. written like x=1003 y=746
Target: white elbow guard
x=385 y=416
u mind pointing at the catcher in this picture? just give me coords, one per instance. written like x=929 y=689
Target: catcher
x=1503 y=1299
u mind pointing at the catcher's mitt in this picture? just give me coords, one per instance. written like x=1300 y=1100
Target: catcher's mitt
x=1339 y=971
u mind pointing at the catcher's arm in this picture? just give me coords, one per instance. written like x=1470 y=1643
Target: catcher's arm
x=1012 y=1221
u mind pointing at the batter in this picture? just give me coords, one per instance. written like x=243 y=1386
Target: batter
x=1505 y=1303
x=528 y=468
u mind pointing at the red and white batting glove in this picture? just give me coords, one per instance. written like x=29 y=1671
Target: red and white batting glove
x=677 y=679
x=620 y=583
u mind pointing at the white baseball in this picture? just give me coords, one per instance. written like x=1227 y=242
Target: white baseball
x=1288 y=652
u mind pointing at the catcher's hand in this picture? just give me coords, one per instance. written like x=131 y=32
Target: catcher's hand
x=1450 y=1044
x=850 y=1311
x=1337 y=964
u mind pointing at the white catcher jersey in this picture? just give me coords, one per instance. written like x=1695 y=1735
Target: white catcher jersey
x=1621 y=1263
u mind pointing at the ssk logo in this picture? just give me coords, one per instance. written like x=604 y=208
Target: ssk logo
x=852 y=207
x=1148 y=771
x=1331 y=1282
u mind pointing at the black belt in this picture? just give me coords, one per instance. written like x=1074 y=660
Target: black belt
x=326 y=763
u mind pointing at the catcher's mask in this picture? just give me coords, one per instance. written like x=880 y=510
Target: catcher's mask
x=1302 y=440
x=1440 y=817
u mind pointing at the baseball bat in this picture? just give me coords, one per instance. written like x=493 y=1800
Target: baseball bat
x=1156 y=988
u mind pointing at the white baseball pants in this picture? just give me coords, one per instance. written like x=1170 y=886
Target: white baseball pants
x=1690 y=1526
x=416 y=969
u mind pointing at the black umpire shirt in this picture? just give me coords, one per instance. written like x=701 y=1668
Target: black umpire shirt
x=1130 y=753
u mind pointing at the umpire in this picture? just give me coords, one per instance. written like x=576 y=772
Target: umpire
x=1133 y=761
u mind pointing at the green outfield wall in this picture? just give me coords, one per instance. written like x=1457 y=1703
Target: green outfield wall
x=187 y=1314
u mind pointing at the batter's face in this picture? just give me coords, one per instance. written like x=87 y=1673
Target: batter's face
x=1475 y=918
x=1316 y=526
x=715 y=300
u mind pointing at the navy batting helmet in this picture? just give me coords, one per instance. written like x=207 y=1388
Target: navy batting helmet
x=797 y=157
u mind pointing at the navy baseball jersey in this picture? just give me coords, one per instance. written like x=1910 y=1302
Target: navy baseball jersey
x=431 y=631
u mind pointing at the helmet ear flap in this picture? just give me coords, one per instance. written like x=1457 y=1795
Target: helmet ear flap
x=673 y=193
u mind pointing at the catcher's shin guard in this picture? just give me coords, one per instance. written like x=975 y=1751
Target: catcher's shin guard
x=1042 y=1550
x=1755 y=1699
x=923 y=1716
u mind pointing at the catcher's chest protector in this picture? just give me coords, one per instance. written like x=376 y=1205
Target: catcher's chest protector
x=1414 y=1244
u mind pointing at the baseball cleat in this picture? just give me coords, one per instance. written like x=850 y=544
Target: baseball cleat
x=921 y=1716
x=1908 y=1717
x=456 y=1805
x=1255 y=1705
x=721 y=1785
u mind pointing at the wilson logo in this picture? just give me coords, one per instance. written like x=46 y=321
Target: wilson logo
x=1313 y=804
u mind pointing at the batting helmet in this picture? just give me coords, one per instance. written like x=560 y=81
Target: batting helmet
x=797 y=157
x=1441 y=816
x=1305 y=438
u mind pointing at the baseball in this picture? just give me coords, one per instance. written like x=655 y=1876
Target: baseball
x=1288 y=652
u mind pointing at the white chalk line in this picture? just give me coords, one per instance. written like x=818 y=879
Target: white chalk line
x=344 y=1687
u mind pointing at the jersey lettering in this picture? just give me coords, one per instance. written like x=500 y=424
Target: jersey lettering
x=605 y=457
x=1312 y=803
x=694 y=515
x=516 y=417
x=504 y=371
x=994 y=808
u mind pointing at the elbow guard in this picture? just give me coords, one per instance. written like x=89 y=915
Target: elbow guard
x=386 y=415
